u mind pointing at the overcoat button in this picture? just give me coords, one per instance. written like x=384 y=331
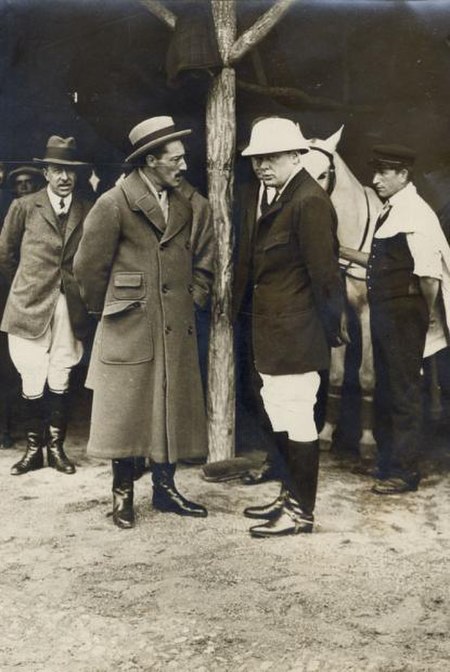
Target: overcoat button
x=168 y=329
x=164 y=289
x=187 y=245
x=162 y=246
x=190 y=289
x=190 y=330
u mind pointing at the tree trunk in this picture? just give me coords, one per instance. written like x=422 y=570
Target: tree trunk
x=221 y=138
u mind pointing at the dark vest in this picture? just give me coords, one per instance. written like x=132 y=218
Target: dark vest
x=390 y=269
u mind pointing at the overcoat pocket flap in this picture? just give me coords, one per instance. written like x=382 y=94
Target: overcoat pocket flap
x=277 y=239
x=127 y=279
x=117 y=307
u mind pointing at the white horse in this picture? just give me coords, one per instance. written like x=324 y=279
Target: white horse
x=357 y=208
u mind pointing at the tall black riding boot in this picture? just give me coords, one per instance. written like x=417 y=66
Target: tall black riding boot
x=34 y=427
x=123 y=491
x=272 y=467
x=166 y=496
x=57 y=428
x=297 y=513
x=272 y=509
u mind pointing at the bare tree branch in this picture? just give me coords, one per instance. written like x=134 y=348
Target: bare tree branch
x=161 y=12
x=259 y=30
x=292 y=96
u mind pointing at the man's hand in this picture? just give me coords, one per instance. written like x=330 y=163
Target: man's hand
x=343 y=338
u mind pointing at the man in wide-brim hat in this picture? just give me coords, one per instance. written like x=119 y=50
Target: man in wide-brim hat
x=288 y=260
x=44 y=317
x=144 y=263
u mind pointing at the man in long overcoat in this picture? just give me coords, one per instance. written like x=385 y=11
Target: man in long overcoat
x=141 y=269
x=289 y=258
x=45 y=318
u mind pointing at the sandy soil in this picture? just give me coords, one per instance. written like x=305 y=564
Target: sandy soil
x=368 y=591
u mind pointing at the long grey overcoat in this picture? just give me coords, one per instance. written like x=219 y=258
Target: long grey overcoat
x=141 y=277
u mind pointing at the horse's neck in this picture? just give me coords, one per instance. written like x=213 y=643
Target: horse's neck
x=356 y=208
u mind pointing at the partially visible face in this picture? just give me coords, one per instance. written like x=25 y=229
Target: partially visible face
x=24 y=184
x=275 y=169
x=62 y=179
x=168 y=170
x=388 y=181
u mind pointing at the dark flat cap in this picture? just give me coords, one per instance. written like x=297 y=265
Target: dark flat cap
x=392 y=156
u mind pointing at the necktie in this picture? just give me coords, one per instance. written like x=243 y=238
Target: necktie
x=264 y=202
x=61 y=206
x=382 y=217
x=164 y=204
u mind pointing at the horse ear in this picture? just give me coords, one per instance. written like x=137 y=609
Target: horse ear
x=301 y=134
x=332 y=142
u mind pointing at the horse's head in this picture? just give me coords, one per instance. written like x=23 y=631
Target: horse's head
x=320 y=162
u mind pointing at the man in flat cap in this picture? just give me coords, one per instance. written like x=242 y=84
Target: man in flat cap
x=25 y=180
x=289 y=257
x=44 y=317
x=407 y=267
x=142 y=266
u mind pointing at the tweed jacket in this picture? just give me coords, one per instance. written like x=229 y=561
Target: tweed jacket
x=289 y=258
x=37 y=261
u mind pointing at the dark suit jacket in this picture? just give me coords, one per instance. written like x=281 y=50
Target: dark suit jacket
x=291 y=258
x=36 y=259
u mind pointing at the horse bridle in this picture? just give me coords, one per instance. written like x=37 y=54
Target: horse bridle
x=331 y=185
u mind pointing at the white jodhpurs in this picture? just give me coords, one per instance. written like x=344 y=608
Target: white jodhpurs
x=289 y=402
x=49 y=358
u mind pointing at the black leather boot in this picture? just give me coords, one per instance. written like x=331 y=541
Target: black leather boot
x=272 y=467
x=34 y=424
x=123 y=492
x=166 y=496
x=267 y=511
x=56 y=457
x=296 y=515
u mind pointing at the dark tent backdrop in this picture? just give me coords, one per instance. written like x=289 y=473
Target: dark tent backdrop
x=93 y=68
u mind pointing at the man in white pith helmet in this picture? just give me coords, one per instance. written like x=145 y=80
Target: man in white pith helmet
x=289 y=257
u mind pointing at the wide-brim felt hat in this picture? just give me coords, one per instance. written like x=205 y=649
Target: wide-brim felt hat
x=25 y=170
x=62 y=151
x=274 y=135
x=392 y=156
x=152 y=133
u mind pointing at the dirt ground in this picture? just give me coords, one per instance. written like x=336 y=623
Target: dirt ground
x=367 y=592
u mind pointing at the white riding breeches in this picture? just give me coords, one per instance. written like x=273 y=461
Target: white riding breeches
x=49 y=358
x=289 y=402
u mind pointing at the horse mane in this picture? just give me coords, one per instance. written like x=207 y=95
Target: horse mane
x=356 y=206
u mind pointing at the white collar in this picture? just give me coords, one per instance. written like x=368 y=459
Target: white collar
x=159 y=195
x=55 y=201
x=403 y=195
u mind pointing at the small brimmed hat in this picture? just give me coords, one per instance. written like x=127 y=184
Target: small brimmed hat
x=273 y=135
x=151 y=133
x=392 y=156
x=25 y=170
x=62 y=151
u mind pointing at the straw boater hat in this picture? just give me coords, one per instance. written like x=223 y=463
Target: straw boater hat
x=25 y=170
x=273 y=135
x=62 y=151
x=392 y=156
x=151 y=133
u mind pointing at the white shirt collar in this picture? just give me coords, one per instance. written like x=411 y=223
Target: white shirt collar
x=55 y=201
x=161 y=196
x=402 y=195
